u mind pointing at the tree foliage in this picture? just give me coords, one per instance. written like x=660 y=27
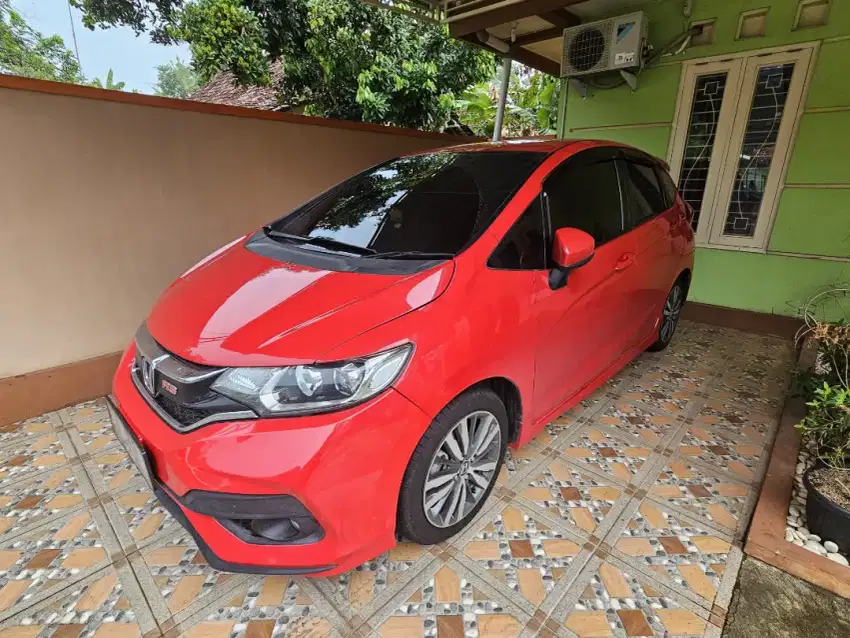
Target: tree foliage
x=531 y=108
x=224 y=35
x=175 y=79
x=25 y=51
x=153 y=16
x=110 y=83
x=342 y=58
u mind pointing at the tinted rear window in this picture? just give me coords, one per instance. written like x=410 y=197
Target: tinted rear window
x=435 y=202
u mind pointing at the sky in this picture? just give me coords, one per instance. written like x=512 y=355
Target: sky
x=132 y=59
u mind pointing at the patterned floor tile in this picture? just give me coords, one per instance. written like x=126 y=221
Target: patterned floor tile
x=28 y=430
x=672 y=375
x=85 y=413
x=674 y=548
x=176 y=578
x=112 y=471
x=756 y=427
x=584 y=408
x=658 y=396
x=581 y=499
x=138 y=518
x=34 y=455
x=636 y=418
x=94 y=437
x=699 y=491
x=767 y=400
x=265 y=607
x=522 y=551
x=106 y=604
x=363 y=590
x=619 y=456
x=698 y=356
x=449 y=601
x=53 y=556
x=547 y=438
x=719 y=449
x=610 y=598
x=518 y=463
x=33 y=502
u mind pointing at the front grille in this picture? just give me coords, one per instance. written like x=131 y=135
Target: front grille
x=183 y=414
x=189 y=400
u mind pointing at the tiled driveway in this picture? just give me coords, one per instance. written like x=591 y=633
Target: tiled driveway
x=623 y=518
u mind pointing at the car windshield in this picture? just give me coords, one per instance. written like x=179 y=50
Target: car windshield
x=427 y=205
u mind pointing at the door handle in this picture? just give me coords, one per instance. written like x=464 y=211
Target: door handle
x=624 y=261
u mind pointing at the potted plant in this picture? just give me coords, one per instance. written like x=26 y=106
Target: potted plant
x=827 y=422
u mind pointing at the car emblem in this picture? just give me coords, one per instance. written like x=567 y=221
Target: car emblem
x=168 y=387
x=147 y=374
x=148 y=369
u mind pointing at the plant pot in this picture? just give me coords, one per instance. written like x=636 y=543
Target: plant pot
x=826 y=519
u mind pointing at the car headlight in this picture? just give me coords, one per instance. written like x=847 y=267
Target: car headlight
x=309 y=389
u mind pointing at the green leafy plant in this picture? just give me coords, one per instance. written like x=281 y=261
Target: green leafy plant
x=175 y=79
x=827 y=386
x=828 y=424
x=110 y=83
x=531 y=108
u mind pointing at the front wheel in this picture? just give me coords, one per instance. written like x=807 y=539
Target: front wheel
x=670 y=316
x=454 y=467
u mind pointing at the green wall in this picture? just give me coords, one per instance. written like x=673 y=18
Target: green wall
x=813 y=215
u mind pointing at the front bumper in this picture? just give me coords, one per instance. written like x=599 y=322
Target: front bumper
x=345 y=467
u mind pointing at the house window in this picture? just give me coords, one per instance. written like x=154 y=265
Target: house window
x=702 y=131
x=731 y=141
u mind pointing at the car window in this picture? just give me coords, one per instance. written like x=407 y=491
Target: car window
x=434 y=202
x=583 y=193
x=667 y=186
x=643 y=193
x=523 y=246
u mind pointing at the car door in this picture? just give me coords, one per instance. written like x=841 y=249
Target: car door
x=649 y=220
x=583 y=326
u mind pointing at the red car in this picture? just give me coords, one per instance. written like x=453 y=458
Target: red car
x=352 y=373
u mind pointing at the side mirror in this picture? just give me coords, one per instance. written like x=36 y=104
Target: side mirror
x=571 y=249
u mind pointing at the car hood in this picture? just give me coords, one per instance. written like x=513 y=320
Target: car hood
x=239 y=308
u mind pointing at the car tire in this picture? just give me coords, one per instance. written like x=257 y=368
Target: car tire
x=670 y=314
x=434 y=462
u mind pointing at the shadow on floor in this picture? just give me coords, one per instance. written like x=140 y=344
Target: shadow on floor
x=769 y=602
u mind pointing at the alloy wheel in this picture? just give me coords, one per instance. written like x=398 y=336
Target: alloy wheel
x=462 y=469
x=671 y=312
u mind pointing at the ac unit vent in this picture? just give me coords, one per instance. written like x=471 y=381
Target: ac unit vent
x=587 y=49
x=606 y=45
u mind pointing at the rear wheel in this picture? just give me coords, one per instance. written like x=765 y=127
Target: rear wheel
x=454 y=467
x=670 y=316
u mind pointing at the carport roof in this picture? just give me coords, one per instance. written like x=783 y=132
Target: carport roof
x=533 y=29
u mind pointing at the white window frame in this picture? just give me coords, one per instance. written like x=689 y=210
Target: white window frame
x=742 y=69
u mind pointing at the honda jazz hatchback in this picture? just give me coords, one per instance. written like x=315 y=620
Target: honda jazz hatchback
x=351 y=374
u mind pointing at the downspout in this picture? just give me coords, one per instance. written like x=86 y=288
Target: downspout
x=502 y=47
x=503 y=98
x=561 y=132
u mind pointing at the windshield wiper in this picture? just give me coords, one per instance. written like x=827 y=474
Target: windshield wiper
x=411 y=254
x=324 y=242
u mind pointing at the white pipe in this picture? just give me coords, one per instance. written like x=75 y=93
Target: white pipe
x=493 y=42
x=503 y=98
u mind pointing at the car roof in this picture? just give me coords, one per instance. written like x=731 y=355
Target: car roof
x=534 y=145
x=537 y=145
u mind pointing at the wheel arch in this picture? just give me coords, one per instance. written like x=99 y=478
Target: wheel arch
x=685 y=277
x=510 y=395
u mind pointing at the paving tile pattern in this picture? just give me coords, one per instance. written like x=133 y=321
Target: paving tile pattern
x=624 y=517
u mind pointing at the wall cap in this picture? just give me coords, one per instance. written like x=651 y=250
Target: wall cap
x=140 y=99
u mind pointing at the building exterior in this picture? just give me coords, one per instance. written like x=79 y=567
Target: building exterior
x=754 y=125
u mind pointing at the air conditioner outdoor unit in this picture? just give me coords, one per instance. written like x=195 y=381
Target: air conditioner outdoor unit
x=615 y=44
